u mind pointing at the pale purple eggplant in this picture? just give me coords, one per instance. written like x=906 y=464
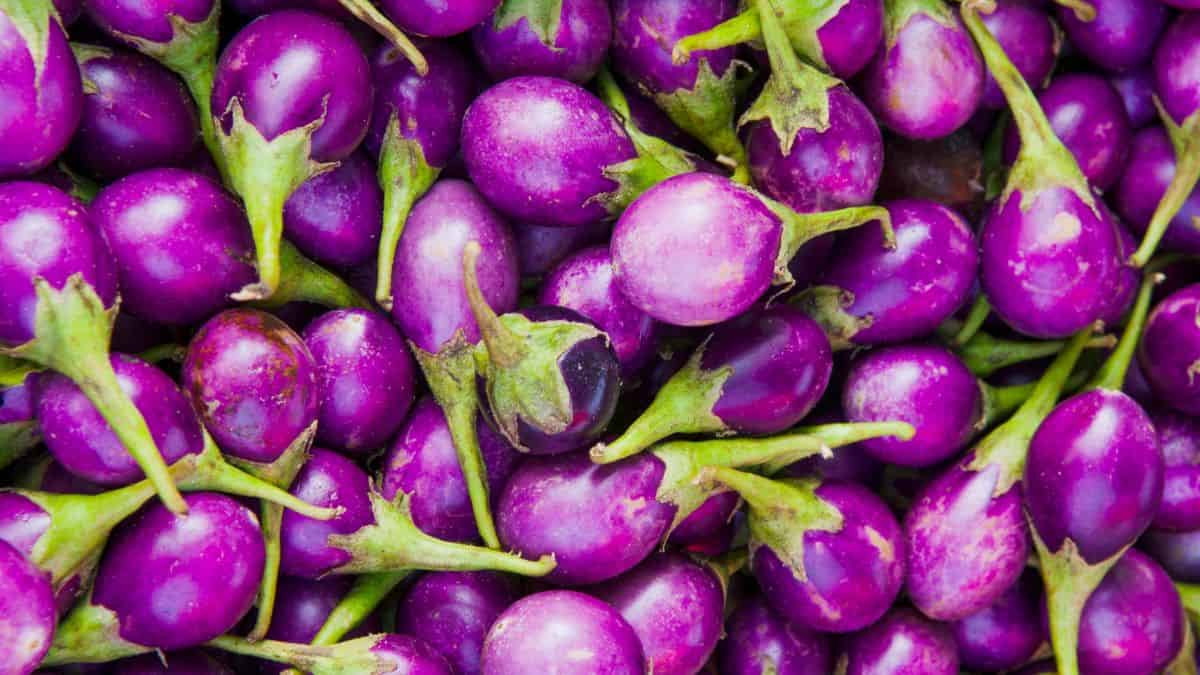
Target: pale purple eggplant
x=1005 y=634
x=436 y=18
x=903 y=643
x=568 y=39
x=1117 y=35
x=1149 y=174
x=453 y=611
x=334 y=217
x=1031 y=39
x=1179 y=438
x=1169 y=349
x=1136 y=89
x=540 y=248
x=27 y=615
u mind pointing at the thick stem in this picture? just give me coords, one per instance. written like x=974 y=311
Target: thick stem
x=368 y=591
x=366 y=12
x=976 y=316
x=200 y=82
x=1000 y=402
x=305 y=281
x=657 y=159
x=1111 y=375
x=800 y=228
x=1069 y=581
x=264 y=210
x=272 y=521
x=984 y=354
x=13 y=371
x=504 y=348
x=1186 y=140
x=742 y=28
x=795 y=504
x=833 y=436
x=404 y=176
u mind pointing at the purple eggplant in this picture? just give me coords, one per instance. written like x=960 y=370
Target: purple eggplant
x=758 y=374
x=903 y=642
x=58 y=280
x=19 y=431
x=1050 y=253
x=1149 y=174
x=563 y=632
x=871 y=294
x=1136 y=89
x=433 y=311
x=379 y=653
x=927 y=79
x=136 y=115
x=586 y=283
x=724 y=255
x=568 y=39
x=334 y=217
x=1088 y=116
x=414 y=133
x=1170 y=349
x=453 y=611
x=277 y=132
x=1177 y=552
x=757 y=639
x=541 y=247
x=302 y=606
x=1005 y=634
x=44 y=94
x=1179 y=438
x=26 y=612
x=365 y=378
x=436 y=18
x=1031 y=39
x=1119 y=35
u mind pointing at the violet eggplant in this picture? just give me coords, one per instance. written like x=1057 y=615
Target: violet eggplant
x=435 y=18
x=277 y=132
x=44 y=99
x=303 y=605
x=540 y=248
x=154 y=569
x=26 y=612
x=1119 y=35
x=568 y=39
x=58 y=281
x=1005 y=634
x=1088 y=116
x=903 y=642
x=1136 y=89
x=379 y=653
x=453 y=611
x=586 y=283
x=675 y=606
x=414 y=133
x=433 y=311
x=965 y=534
x=829 y=556
x=549 y=375
x=756 y=638
x=927 y=79
x=870 y=293
x=1170 y=349
x=1177 y=553
x=1148 y=176
x=334 y=217
x=810 y=142
x=1176 y=58
x=1050 y=253
x=366 y=379
x=563 y=632
x=724 y=255
x=710 y=523
x=758 y=374
x=136 y=115
x=1179 y=439
x=1031 y=39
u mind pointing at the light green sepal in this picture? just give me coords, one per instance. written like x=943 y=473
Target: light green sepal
x=17 y=439
x=897 y=14
x=801 y=228
x=706 y=111
x=303 y=280
x=353 y=657
x=827 y=306
x=32 y=18
x=542 y=16
x=13 y=371
x=90 y=634
x=404 y=176
x=283 y=470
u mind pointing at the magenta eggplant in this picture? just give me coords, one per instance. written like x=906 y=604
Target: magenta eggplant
x=756 y=638
x=453 y=611
x=334 y=217
x=1136 y=89
x=1177 y=552
x=436 y=18
x=567 y=39
x=1005 y=634
x=1029 y=37
x=1175 y=62
x=903 y=643
x=326 y=479
x=1148 y=173
x=1120 y=36
x=1170 y=348
x=1179 y=439
x=540 y=248
x=26 y=611
x=301 y=606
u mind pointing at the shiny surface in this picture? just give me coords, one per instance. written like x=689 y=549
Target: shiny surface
x=327 y=479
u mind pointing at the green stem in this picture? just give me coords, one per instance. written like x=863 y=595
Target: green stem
x=984 y=354
x=404 y=176
x=1069 y=582
x=980 y=309
x=1111 y=375
x=800 y=228
x=272 y=521
x=504 y=348
x=1084 y=11
x=303 y=280
x=742 y=28
x=368 y=591
x=829 y=436
x=1189 y=594
x=1186 y=140
x=366 y=12
x=164 y=352
x=1000 y=402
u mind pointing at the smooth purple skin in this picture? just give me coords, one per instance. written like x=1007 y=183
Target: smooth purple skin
x=928 y=83
x=849 y=38
x=825 y=170
x=82 y=441
x=423 y=464
x=1121 y=37
x=438 y=18
x=1170 y=349
x=427 y=281
x=452 y=611
x=1006 y=634
x=708 y=523
x=1179 y=439
x=722 y=241
x=597 y=520
x=676 y=607
x=586 y=283
x=189 y=662
x=561 y=632
x=541 y=248
x=365 y=375
x=584 y=33
x=909 y=290
x=179 y=581
x=326 y=479
x=180 y=242
x=1176 y=64
x=1089 y=117
x=302 y=605
x=26 y=612
x=1136 y=89
x=537 y=148
x=44 y=233
x=903 y=643
x=780 y=363
x=757 y=638
x=925 y=385
x=42 y=102
x=1177 y=552
x=17 y=401
x=58 y=480
x=645 y=32
x=429 y=108
x=810 y=261
x=287 y=69
x=137 y=115
x=1128 y=276
x=335 y=217
x=145 y=19
x=253 y=383
x=965 y=545
x=22 y=522
x=1029 y=37
x=408 y=655
x=1148 y=172
x=1051 y=269
x=1132 y=623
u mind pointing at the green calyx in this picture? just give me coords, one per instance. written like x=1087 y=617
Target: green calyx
x=13 y=371
x=1043 y=160
x=265 y=173
x=31 y=19
x=984 y=354
x=542 y=16
x=796 y=95
x=302 y=280
x=1185 y=138
x=364 y=596
x=706 y=111
x=827 y=306
x=684 y=405
x=897 y=14
x=801 y=228
x=17 y=439
x=393 y=543
x=346 y=658
x=72 y=330
x=89 y=634
x=366 y=12
x=84 y=53
x=404 y=176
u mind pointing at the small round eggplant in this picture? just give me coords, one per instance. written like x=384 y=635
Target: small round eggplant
x=27 y=614
x=903 y=642
x=756 y=638
x=1006 y=634
x=567 y=39
x=1148 y=175
x=453 y=611
x=1179 y=438
x=1170 y=349
x=1030 y=38
x=334 y=217
x=1120 y=36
